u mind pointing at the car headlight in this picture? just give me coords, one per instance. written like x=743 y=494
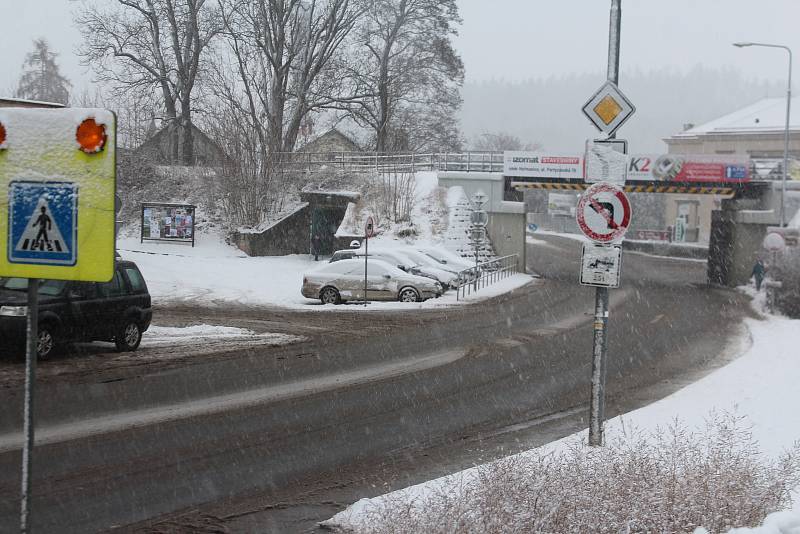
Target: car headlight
x=13 y=311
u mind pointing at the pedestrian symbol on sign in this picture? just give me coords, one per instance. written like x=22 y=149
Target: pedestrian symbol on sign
x=43 y=223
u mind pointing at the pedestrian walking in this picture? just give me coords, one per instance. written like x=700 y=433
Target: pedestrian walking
x=315 y=246
x=759 y=270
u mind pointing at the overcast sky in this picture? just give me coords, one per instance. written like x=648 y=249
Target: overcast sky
x=519 y=39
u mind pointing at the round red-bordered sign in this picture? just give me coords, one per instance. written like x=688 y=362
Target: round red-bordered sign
x=603 y=213
x=369 y=227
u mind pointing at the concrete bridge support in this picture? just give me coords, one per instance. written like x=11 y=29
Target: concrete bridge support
x=737 y=234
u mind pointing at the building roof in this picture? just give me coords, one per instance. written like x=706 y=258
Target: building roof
x=331 y=136
x=6 y=102
x=765 y=116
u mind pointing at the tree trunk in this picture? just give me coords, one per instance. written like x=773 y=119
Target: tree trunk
x=187 y=151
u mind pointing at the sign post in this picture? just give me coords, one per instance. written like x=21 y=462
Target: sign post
x=369 y=231
x=32 y=324
x=607 y=110
x=478 y=221
x=57 y=219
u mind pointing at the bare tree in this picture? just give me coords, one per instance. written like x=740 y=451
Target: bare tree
x=152 y=45
x=502 y=141
x=41 y=78
x=404 y=60
x=275 y=71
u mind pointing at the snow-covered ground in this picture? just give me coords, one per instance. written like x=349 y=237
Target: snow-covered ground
x=167 y=336
x=214 y=273
x=761 y=385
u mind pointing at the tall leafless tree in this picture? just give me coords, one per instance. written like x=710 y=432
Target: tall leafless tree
x=41 y=78
x=147 y=45
x=275 y=71
x=404 y=59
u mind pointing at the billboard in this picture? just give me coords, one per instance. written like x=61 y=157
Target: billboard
x=538 y=165
x=168 y=222
x=676 y=168
x=688 y=168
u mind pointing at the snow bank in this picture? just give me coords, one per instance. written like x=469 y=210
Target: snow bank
x=214 y=273
x=761 y=385
x=163 y=336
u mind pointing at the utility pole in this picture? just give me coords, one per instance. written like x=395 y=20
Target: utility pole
x=599 y=356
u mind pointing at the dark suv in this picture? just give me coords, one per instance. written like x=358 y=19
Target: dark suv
x=117 y=311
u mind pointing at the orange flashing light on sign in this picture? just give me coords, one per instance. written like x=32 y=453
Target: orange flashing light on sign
x=2 y=135
x=91 y=136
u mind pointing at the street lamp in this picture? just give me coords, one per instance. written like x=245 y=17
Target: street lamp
x=786 y=129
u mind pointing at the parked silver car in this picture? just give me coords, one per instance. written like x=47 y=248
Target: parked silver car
x=343 y=281
x=399 y=259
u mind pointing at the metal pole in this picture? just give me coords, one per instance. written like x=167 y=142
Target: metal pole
x=477 y=245
x=599 y=356
x=366 y=254
x=30 y=381
x=597 y=408
x=786 y=141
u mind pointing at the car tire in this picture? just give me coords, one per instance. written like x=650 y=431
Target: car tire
x=329 y=295
x=47 y=342
x=408 y=294
x=129 y=336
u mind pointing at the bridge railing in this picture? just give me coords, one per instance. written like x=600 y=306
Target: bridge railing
x=473 y=161
x=485 y=273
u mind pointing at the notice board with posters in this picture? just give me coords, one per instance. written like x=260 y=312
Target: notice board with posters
x=168 y=222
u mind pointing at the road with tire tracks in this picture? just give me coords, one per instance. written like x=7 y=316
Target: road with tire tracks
x=247 y=438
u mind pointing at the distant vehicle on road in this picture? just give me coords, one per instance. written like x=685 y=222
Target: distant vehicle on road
x=118 y=311
x=343 y=281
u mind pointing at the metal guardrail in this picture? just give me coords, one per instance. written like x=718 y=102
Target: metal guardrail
x=474 y=161
x=485 y=273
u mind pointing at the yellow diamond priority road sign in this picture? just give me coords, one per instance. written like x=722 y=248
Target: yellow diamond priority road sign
x=608 y=108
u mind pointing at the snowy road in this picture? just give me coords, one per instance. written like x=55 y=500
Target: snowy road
x=520 y=379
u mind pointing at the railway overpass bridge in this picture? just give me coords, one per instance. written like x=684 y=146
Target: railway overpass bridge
x=748 y=205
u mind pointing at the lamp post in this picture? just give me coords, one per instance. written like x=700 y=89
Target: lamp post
x=786 y=129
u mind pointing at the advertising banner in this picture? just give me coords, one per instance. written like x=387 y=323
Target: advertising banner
x=537 y=165
x=688 y=168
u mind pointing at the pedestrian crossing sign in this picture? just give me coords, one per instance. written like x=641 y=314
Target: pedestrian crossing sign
x=57 y=187
x=42 y=218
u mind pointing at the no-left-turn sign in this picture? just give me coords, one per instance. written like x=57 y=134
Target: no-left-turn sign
x=604 y=213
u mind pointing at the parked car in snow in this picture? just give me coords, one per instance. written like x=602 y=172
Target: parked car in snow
x=445 y=257
x=118 y=310
x=343 y=281
x=398 y=258
x=446 y=274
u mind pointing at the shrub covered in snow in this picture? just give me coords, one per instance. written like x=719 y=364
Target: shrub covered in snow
x=786 y=299
x=669 y=481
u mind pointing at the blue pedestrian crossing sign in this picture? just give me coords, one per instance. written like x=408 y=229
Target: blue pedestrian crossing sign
x=42 y=219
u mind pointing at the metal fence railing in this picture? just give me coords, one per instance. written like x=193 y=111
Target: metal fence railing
x=474 y=161
x=485 y=273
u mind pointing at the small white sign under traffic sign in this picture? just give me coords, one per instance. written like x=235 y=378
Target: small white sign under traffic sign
x=601 y=265
x=603 y=213
x=605 y=164
x=608 y=108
